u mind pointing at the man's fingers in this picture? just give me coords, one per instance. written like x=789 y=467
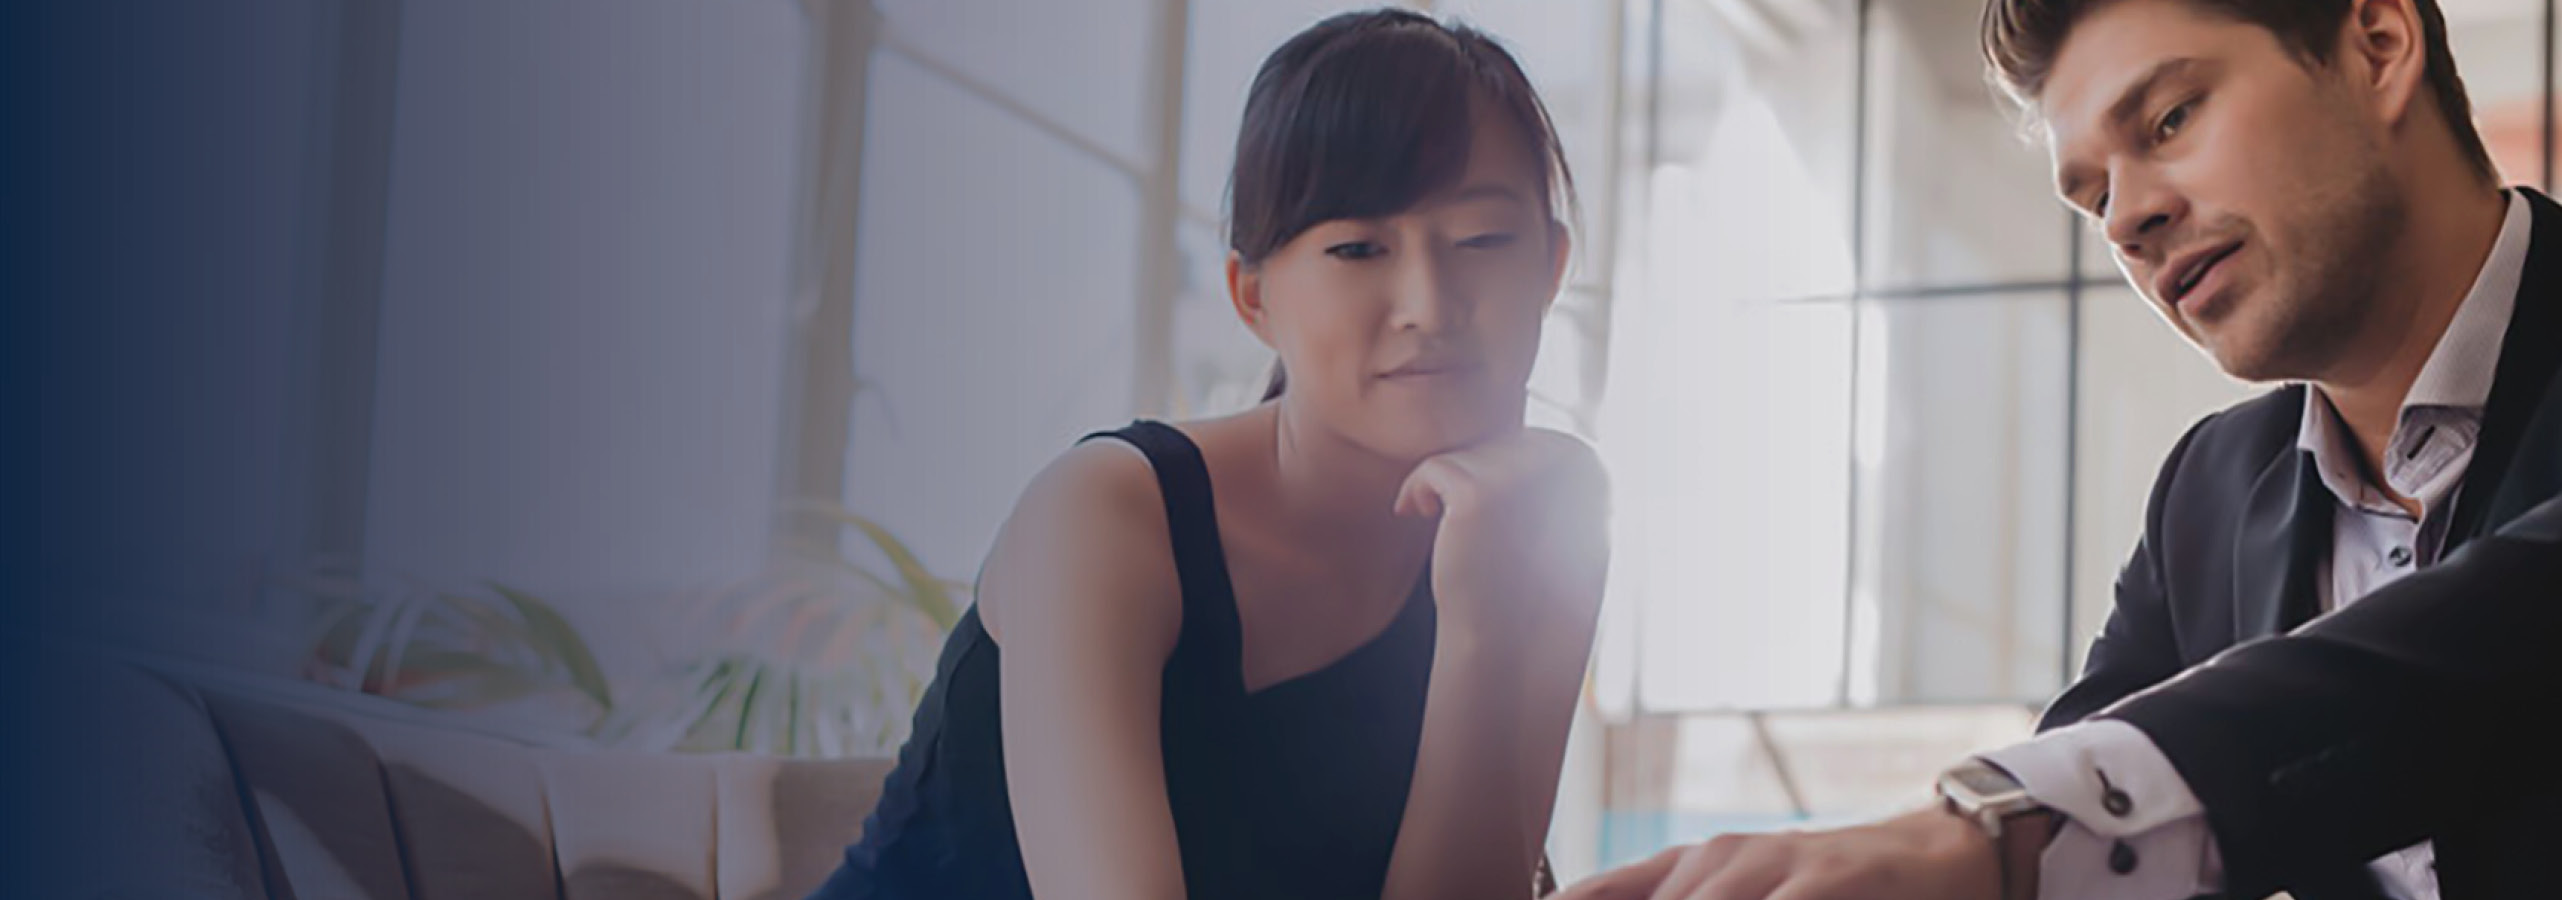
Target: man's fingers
x=1695 y=869
x=1630 y=882
x=1755 y=877
x=1808 y=889
x=1717 y=869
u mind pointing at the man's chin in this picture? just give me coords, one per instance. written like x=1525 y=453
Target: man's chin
x=2252 y=361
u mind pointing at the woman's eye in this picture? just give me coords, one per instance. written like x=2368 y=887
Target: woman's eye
x=1493 y=241
x=1356 y=251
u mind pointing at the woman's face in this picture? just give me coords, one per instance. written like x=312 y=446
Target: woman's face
x=1413 y=334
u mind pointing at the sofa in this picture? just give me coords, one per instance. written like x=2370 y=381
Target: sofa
x=176 y=783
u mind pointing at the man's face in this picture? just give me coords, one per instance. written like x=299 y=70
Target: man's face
x=2243 y=187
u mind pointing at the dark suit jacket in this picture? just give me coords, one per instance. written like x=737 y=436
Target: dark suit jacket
x=2238 y=522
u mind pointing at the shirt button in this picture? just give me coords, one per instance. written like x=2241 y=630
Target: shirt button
x=2399 y=557
x=2121 y=859
x=2117 y=803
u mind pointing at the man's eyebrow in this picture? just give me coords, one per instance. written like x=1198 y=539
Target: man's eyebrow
x=2131 y=101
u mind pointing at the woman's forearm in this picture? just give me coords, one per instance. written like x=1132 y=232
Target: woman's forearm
x=1463 y=831
x=1485 y=771
x=1518 y=566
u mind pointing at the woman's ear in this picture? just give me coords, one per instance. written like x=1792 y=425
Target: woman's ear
x=1245 y=292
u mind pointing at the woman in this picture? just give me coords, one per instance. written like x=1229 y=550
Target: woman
x=1352 y=675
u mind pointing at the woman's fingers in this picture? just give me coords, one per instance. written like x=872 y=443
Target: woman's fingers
x=1437 y=485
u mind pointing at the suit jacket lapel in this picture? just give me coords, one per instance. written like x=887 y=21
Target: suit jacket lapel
x=2286 y=524
x=2530 y=354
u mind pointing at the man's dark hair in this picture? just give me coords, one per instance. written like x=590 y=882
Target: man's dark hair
x=2021 y=38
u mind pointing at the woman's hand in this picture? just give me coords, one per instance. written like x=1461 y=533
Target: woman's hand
x=1522 y=535
x=1517 y=572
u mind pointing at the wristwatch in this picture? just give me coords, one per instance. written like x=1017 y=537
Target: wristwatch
x=1982 y=793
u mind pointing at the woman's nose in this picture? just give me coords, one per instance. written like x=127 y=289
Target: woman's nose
x=1423 y=298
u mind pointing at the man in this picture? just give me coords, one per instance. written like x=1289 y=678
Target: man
x=2297 y=187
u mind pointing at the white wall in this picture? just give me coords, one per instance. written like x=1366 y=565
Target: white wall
x=2142 y=387
x=589 y=259
x=997 y=289
x=167 y=410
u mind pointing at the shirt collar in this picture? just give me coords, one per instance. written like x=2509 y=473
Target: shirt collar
x=2459 y=372
x=2457 y=377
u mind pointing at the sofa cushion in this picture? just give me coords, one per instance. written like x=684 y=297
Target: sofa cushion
x=470 y=812
x=138 y=800
x=320 y=801
x=629 y=825
x=340 y=795
x=784 y=823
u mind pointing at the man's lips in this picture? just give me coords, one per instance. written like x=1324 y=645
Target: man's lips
x=2189 y=271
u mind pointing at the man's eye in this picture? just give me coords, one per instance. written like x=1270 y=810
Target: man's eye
x=2173 y=121
x=1493 y=241
x=1355 y=251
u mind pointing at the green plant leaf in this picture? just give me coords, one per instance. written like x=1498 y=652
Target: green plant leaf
x=498 y=627
x=555 y=632
x=746 y=705
x=868 y=576
x=336 y=643
x=722 y=675
x=928 y=593
x=792 y=719
x=495 y=687
x=448 y=679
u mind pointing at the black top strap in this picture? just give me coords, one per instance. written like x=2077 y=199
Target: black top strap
x=1212 y=640
x=1205 y=678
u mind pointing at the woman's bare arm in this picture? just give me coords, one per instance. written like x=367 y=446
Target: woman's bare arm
x=1517 y=577
x=1082 y=596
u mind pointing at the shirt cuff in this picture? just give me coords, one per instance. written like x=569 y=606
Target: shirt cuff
x=2133 y=828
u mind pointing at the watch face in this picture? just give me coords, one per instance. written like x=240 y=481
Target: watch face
x=1983 y=780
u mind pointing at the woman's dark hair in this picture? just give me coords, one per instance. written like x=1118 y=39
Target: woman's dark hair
x=1365 y=114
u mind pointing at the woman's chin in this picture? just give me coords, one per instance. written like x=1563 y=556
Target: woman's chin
x=1424 y=436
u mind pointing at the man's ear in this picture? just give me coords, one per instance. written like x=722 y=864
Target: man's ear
x=2386 y=48
x=1245 y=292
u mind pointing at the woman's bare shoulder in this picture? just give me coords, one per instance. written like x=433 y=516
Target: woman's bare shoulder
x=1087 y=539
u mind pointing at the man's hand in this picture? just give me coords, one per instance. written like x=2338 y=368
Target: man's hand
x=1928 y=854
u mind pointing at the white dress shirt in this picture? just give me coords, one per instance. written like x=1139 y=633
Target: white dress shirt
x=2155 y=841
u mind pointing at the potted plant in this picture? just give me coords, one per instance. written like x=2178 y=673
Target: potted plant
x=450 y=649
x=825 y=654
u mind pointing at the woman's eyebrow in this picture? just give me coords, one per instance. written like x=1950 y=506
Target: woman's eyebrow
x=1488 y=191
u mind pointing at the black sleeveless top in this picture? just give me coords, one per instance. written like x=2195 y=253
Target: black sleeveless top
x=1295 y=790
